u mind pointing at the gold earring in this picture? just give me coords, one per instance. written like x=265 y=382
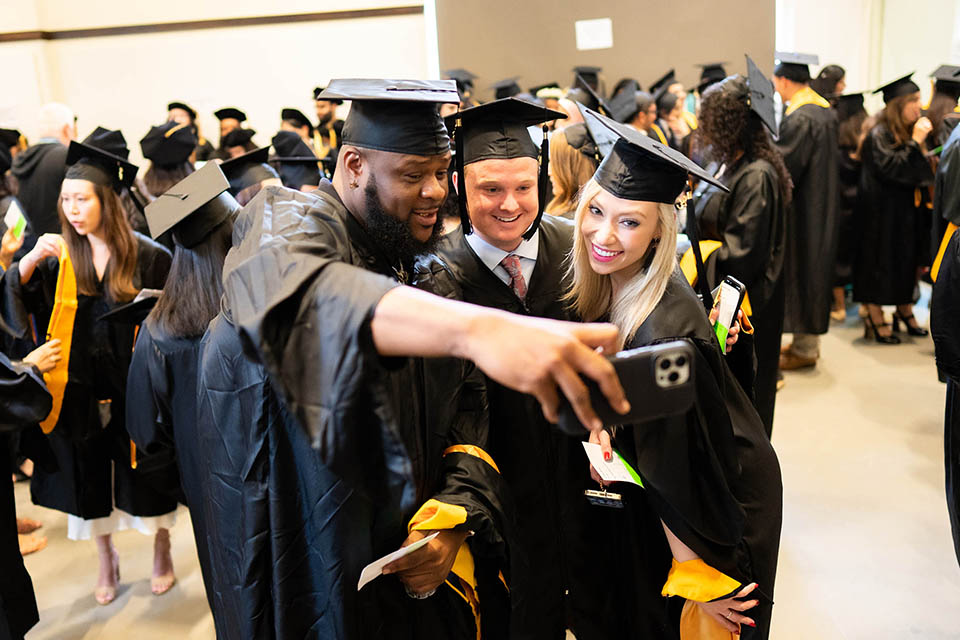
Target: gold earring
x=354 y=184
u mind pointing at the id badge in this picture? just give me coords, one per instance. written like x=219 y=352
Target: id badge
x=604 y=498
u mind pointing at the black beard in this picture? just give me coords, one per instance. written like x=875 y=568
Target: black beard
x=392 y=235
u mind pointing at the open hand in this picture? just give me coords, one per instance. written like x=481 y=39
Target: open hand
x=728 y=613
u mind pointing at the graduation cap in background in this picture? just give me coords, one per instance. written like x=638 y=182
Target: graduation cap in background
x=710 y=72
x=295 y=161
x=498 y=130
x=399 y=116
x=230 y=112
x=295 y=117
x=794 y=66
x=248 y=169
x=899 y=87
x=10 y=137
x=578 y=136
x=664 y=81
x=595 y=100
x=947 y=78
x=760 y=97
x=237 y=138
x=193 y=207
x=506 y=88
x=640 y=168
x=464 y=80
x=847 y=105
x=603 y=137
x=185 y=107
x=135 y=311
x=623 y=106
x=169 y=144
x=587 y=76
x=102 y=159
x=316 y=96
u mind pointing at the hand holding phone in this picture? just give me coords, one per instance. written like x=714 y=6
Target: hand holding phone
x=727 y=299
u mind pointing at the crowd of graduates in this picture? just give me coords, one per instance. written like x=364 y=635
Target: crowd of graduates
x=277 y=338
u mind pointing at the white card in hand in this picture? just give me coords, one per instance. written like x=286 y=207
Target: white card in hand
x=15 y=219
x=616 y=470
x=375 y=569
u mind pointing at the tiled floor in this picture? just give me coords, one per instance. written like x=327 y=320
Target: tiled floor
x=866 y=552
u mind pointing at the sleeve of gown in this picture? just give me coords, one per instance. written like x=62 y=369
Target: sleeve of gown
x=746 y=238
x=901 y=164
x=305 y=315
x=18 y=301
x=947 y=195
x=24 y=399
x=149 y=415
x=472 y=492
x=797 y=144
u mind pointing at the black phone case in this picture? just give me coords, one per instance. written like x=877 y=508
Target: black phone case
x=646 y=381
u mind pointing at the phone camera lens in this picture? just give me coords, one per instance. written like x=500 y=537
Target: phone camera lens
x=681 y=361
x=674 y=376
x=665 y=364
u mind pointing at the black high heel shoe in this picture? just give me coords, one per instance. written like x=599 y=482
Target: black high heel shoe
x=870 y=331
x=912 y=331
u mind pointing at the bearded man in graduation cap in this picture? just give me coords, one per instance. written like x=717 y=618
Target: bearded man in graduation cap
x=332 y=440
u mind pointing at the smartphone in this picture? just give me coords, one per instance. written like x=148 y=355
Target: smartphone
x=727 y=298
x=658 y=381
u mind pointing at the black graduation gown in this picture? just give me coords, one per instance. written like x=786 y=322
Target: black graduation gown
x=848 y=238
x=711 y=474
x=100 y=353
x=319 y=451
x=561 y=574
x=945 y=328
x=23 y=401
x=808 y=142
x=162 y=421
x=750 y=221
x=946 y=200
x=888 y=220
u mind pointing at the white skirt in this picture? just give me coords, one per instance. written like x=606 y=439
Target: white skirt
x=80 y=529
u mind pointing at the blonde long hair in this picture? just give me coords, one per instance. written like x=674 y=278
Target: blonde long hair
x=591 y=294
x=571 y=170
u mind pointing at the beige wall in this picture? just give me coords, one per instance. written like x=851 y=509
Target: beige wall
x=125 y=82
x=536 y=39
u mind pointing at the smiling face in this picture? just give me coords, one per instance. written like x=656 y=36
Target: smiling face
x=81 y=206
x=502 y=199
x=617 y=233
x=409 y=188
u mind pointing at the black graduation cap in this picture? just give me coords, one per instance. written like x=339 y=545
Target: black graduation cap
x=295 y=116
x=603 y=137
x=135 y=311
x=947 y=77
x=710 y=72
x=760 y=98
x=318 y=90
x=295 y=161
x=498 y=129
x=237 y=137
x=109 y=140
x=400 y=116
x=794 y=66
x=623 y=106
x=10 y=137
x=463 y=78
x=640 y=168
x=578 y=136
x=169 y=144
x=248 y=169
x=230 y=112
x=182 y=105
x=193 y=207
x=595 y=100
x=88 y=162
x=506 y=88
x=589 y=76
x=847 y=104
x=899 y=87
x=665 y=81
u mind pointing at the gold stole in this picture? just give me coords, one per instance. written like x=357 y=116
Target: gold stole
x=935 y=270
x=804 y=97
x=657 y=130
x=61 y=327
x=688 y=265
